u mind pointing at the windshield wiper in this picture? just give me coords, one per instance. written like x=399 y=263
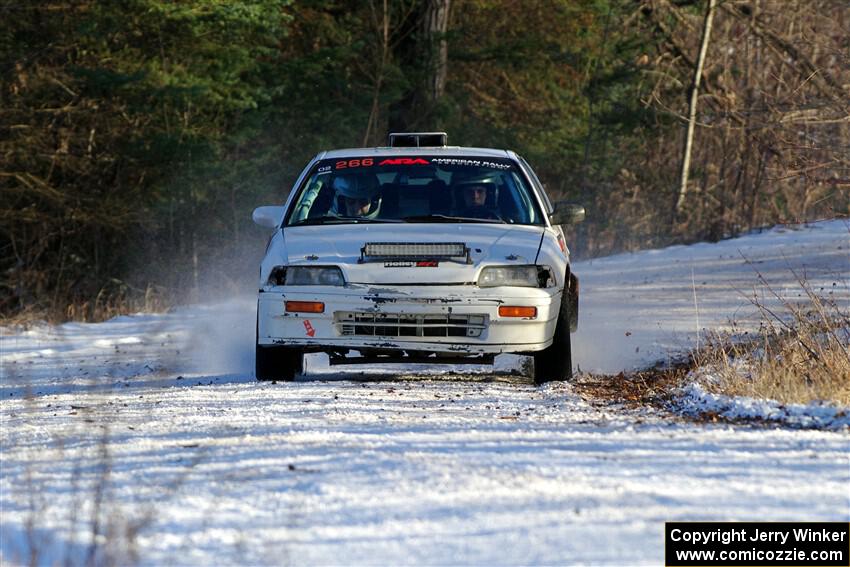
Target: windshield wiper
x=341 y=220
x=448 y=218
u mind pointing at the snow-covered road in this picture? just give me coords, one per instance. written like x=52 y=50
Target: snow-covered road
x=157 y=418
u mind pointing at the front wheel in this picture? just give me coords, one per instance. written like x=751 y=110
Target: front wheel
x=554 y=363
x=278 y=363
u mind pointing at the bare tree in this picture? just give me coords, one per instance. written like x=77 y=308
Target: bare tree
x=425 y=51
x=384 y=30
x=435 y=26
x=692 y=113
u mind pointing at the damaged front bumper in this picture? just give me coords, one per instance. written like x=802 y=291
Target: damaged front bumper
x=452 y=320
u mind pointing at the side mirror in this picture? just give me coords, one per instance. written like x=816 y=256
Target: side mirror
x=268 y=217
x=567 y=213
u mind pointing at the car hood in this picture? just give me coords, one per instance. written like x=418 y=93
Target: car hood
x=341 y=245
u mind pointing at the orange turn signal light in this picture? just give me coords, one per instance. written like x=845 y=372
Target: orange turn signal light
x=305 y=307
x=516 y=311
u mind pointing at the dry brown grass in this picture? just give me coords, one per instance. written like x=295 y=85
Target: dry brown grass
x=799 y=355
x=108 y=303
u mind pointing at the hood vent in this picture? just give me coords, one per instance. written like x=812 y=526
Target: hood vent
x=412 y=251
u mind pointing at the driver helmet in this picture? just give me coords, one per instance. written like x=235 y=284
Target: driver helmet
x=485 y=181
x=354 y=192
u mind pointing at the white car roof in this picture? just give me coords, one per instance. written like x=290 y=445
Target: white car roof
x=423 y=151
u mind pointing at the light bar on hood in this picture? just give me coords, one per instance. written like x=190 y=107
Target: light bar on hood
x=376 y=251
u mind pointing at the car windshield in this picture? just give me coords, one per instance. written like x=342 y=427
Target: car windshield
x=438 y=189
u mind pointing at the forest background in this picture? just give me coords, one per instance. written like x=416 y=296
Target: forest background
x=136 y=136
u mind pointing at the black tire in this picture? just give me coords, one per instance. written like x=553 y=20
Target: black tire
x=573 y=303
x=555 y=363
x=278 y=363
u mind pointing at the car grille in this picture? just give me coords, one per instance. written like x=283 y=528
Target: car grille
x=409 y=325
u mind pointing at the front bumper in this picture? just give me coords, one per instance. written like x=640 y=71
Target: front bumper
x=407 y=318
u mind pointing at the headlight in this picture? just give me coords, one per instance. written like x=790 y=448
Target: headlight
x=303 y=275
x=519 y=276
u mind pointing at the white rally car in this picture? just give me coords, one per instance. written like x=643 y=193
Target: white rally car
x=416 y=252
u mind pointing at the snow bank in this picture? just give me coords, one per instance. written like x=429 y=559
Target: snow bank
x=694 y=400
x=646 y=307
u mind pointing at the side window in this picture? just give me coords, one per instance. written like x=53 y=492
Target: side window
x=537 y=185
x=515 y=205
x=315 y=201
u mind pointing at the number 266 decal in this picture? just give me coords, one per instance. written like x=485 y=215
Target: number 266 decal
x=365 y=162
